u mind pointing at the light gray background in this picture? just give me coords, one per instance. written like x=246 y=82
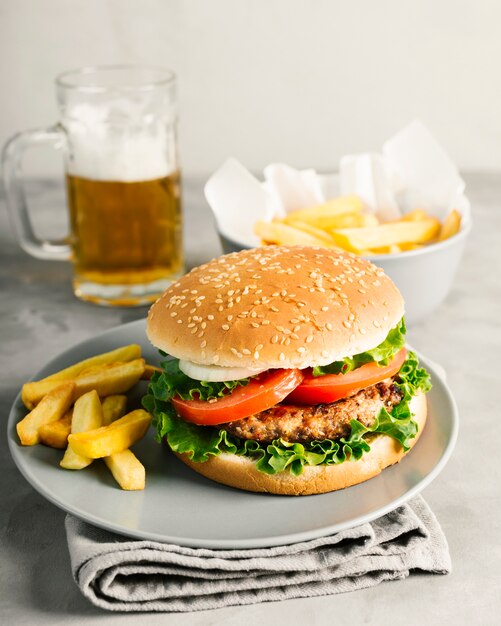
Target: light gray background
x=300 y=81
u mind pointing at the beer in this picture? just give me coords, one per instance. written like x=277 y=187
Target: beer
x=125 y=233
x=118 y=130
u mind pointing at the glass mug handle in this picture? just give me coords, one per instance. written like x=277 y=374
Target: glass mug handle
x=12 y=159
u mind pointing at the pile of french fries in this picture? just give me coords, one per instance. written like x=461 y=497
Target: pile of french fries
x=82 y=410
x=342 y=223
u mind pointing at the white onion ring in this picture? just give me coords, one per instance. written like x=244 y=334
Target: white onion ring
x=215 y=373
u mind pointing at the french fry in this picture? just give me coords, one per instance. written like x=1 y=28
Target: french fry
x=114 y=407
x=87 y=415
x=451 y=225
x=110 y=379
x=393 y=249
x=404 y=247
x=415 y=216
x=360 y=239
x=36 y=390
x=115 y=437
x=107 y=379
x=279 y=233
x=309 y=228
x=55 y=434
x=125 y=467
x=347 y=220
x=123 y=354
x=332 y=208
x=127 y=470
x=149 y=370
x=53 y=406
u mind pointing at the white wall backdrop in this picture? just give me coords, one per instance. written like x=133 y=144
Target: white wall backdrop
x=300 y=81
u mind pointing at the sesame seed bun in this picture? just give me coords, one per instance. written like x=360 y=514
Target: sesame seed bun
x=276 y=307
x=240 y=472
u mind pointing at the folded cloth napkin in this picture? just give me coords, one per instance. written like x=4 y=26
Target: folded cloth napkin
x=120 y=574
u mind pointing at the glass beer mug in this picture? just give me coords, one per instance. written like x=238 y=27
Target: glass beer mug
x=117 y=130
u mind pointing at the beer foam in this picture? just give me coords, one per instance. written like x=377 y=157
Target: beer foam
x=123 y=142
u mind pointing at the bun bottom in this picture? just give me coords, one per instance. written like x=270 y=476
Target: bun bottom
x=240 y=472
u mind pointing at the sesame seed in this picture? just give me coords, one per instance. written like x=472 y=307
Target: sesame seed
x=325 y=308
x=274 y=339
x=246 y=351
x=376 y=324
x=203 y=344
x=309 y=339
x=328 y=326
x=256 y=354
x=282 y=356
x=362 y=331
x=254 y=325
x=225 y=327
x=301 y=349
x=173 y=314
x=179 y=321
x=346 y=324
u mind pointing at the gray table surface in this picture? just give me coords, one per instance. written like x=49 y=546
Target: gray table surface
x=40 y=317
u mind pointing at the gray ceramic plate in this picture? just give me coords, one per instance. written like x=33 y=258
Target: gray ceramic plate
x=181 y=507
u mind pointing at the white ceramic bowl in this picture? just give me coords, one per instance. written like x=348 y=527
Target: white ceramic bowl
x=424 y=276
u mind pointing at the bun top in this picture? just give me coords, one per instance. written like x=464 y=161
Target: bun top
x=276 y=307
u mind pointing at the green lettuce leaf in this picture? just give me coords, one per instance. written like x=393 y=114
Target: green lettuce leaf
x=173 y=382
x=200 y=442
x=381 y=354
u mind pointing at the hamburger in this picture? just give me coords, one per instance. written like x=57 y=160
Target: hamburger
x=286 y=371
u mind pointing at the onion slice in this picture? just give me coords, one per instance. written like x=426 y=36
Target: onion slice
x=215 y=373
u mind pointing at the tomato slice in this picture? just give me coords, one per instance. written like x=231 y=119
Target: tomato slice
x=332 y=387
x=260 y=394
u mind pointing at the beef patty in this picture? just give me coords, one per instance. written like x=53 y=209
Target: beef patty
x=322 y=421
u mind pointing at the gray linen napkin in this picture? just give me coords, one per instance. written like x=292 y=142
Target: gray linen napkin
x=120 y=574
